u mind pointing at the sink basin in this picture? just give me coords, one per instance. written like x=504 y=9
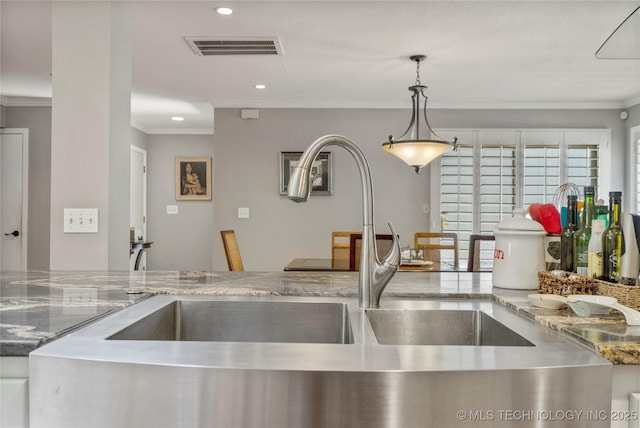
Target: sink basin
x=441 y=327
x=243 y=321
x=280 y=361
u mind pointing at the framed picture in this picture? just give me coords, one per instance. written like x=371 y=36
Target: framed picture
x=193 y=179
x=321 y=174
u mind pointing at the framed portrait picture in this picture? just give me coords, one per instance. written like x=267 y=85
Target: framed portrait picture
x=321 y=174
x=193 y=179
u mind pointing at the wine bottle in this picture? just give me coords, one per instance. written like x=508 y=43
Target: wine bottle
x=583 y=235
x=612 y=240
x=595 y=250
x=566 y=237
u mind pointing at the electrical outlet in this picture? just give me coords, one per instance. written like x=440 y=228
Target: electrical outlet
x=80 y=220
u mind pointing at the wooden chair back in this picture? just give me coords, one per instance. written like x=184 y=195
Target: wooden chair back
x=340 y=242
x=434 y=243
x=476 y=249
x=231 y=250
x=383 y=245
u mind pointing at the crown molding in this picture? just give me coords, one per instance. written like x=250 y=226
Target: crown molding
x=171 y=131
x=431 y=106
x=632 y=102
x=25 y=102
x=184 y=131
x=139 y=127
x=46 y=102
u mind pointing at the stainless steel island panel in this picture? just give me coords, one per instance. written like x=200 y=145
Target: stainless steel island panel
x=86 y=380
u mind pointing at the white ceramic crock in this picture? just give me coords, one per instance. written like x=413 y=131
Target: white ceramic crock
x=519 y=252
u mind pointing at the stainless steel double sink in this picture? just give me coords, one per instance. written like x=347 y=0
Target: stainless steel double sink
x=309 y=322
x=223 y=361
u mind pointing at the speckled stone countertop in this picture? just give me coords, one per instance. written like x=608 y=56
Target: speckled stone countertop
x=38 y=307
x=609 y=335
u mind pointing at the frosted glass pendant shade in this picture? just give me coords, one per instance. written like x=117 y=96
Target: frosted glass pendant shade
x=417 y=154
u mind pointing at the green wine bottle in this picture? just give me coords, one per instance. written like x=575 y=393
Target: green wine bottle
x=566 y=237
x=612 y=240
x=583 y=235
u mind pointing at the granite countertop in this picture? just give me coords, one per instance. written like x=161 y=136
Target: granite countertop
x=608 y=335
x=37 y=307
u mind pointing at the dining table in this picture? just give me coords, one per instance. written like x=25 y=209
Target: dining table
x=314 y=264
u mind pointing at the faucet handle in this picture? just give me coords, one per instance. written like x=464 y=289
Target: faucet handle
x=382 y=274
x=394 y=255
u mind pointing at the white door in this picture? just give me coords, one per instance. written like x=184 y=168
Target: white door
x=14 y=163
x=138 y=199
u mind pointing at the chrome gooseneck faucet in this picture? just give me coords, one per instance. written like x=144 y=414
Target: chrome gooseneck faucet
x=374 y=273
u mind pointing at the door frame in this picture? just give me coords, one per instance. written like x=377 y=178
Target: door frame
x=143 y=152
x=633 y=168
x=25 y=189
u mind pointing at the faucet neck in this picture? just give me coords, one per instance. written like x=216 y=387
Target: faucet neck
x=309 y=156
x=374 y=274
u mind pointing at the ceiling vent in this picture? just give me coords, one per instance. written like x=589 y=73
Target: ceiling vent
x=205 y=46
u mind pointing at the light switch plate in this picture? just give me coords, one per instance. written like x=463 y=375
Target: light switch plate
x=243 y=212
x=80 y=220
x=172 y=209
x=80 y=301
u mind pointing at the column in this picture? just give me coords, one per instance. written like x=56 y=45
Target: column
x=91 y=74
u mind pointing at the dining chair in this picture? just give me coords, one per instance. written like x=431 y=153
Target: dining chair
x=476 y=250
x=383 y=245
x=434 y=243
x=231 y=250
x=340 y=242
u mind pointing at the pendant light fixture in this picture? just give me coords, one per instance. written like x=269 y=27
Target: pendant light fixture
x=411 y=147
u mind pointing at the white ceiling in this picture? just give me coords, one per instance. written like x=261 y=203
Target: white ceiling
x=481 y=54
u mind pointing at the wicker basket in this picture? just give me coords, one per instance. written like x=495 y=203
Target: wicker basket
x=578 y=284
x=626 y=295
x=565 y=285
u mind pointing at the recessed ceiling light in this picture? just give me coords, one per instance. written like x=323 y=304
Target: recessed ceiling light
x=177 y=118
x=223 y=10
x=260 y=86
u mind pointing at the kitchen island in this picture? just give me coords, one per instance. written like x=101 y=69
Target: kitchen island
x=39 y=307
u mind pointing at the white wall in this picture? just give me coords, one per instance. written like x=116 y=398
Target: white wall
x=633 y=121
x=183 y=241
x=245 y=170
x=139 y=139
x=90 y=130
x=38 y=121
x=246 y=173
x=634 y=116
